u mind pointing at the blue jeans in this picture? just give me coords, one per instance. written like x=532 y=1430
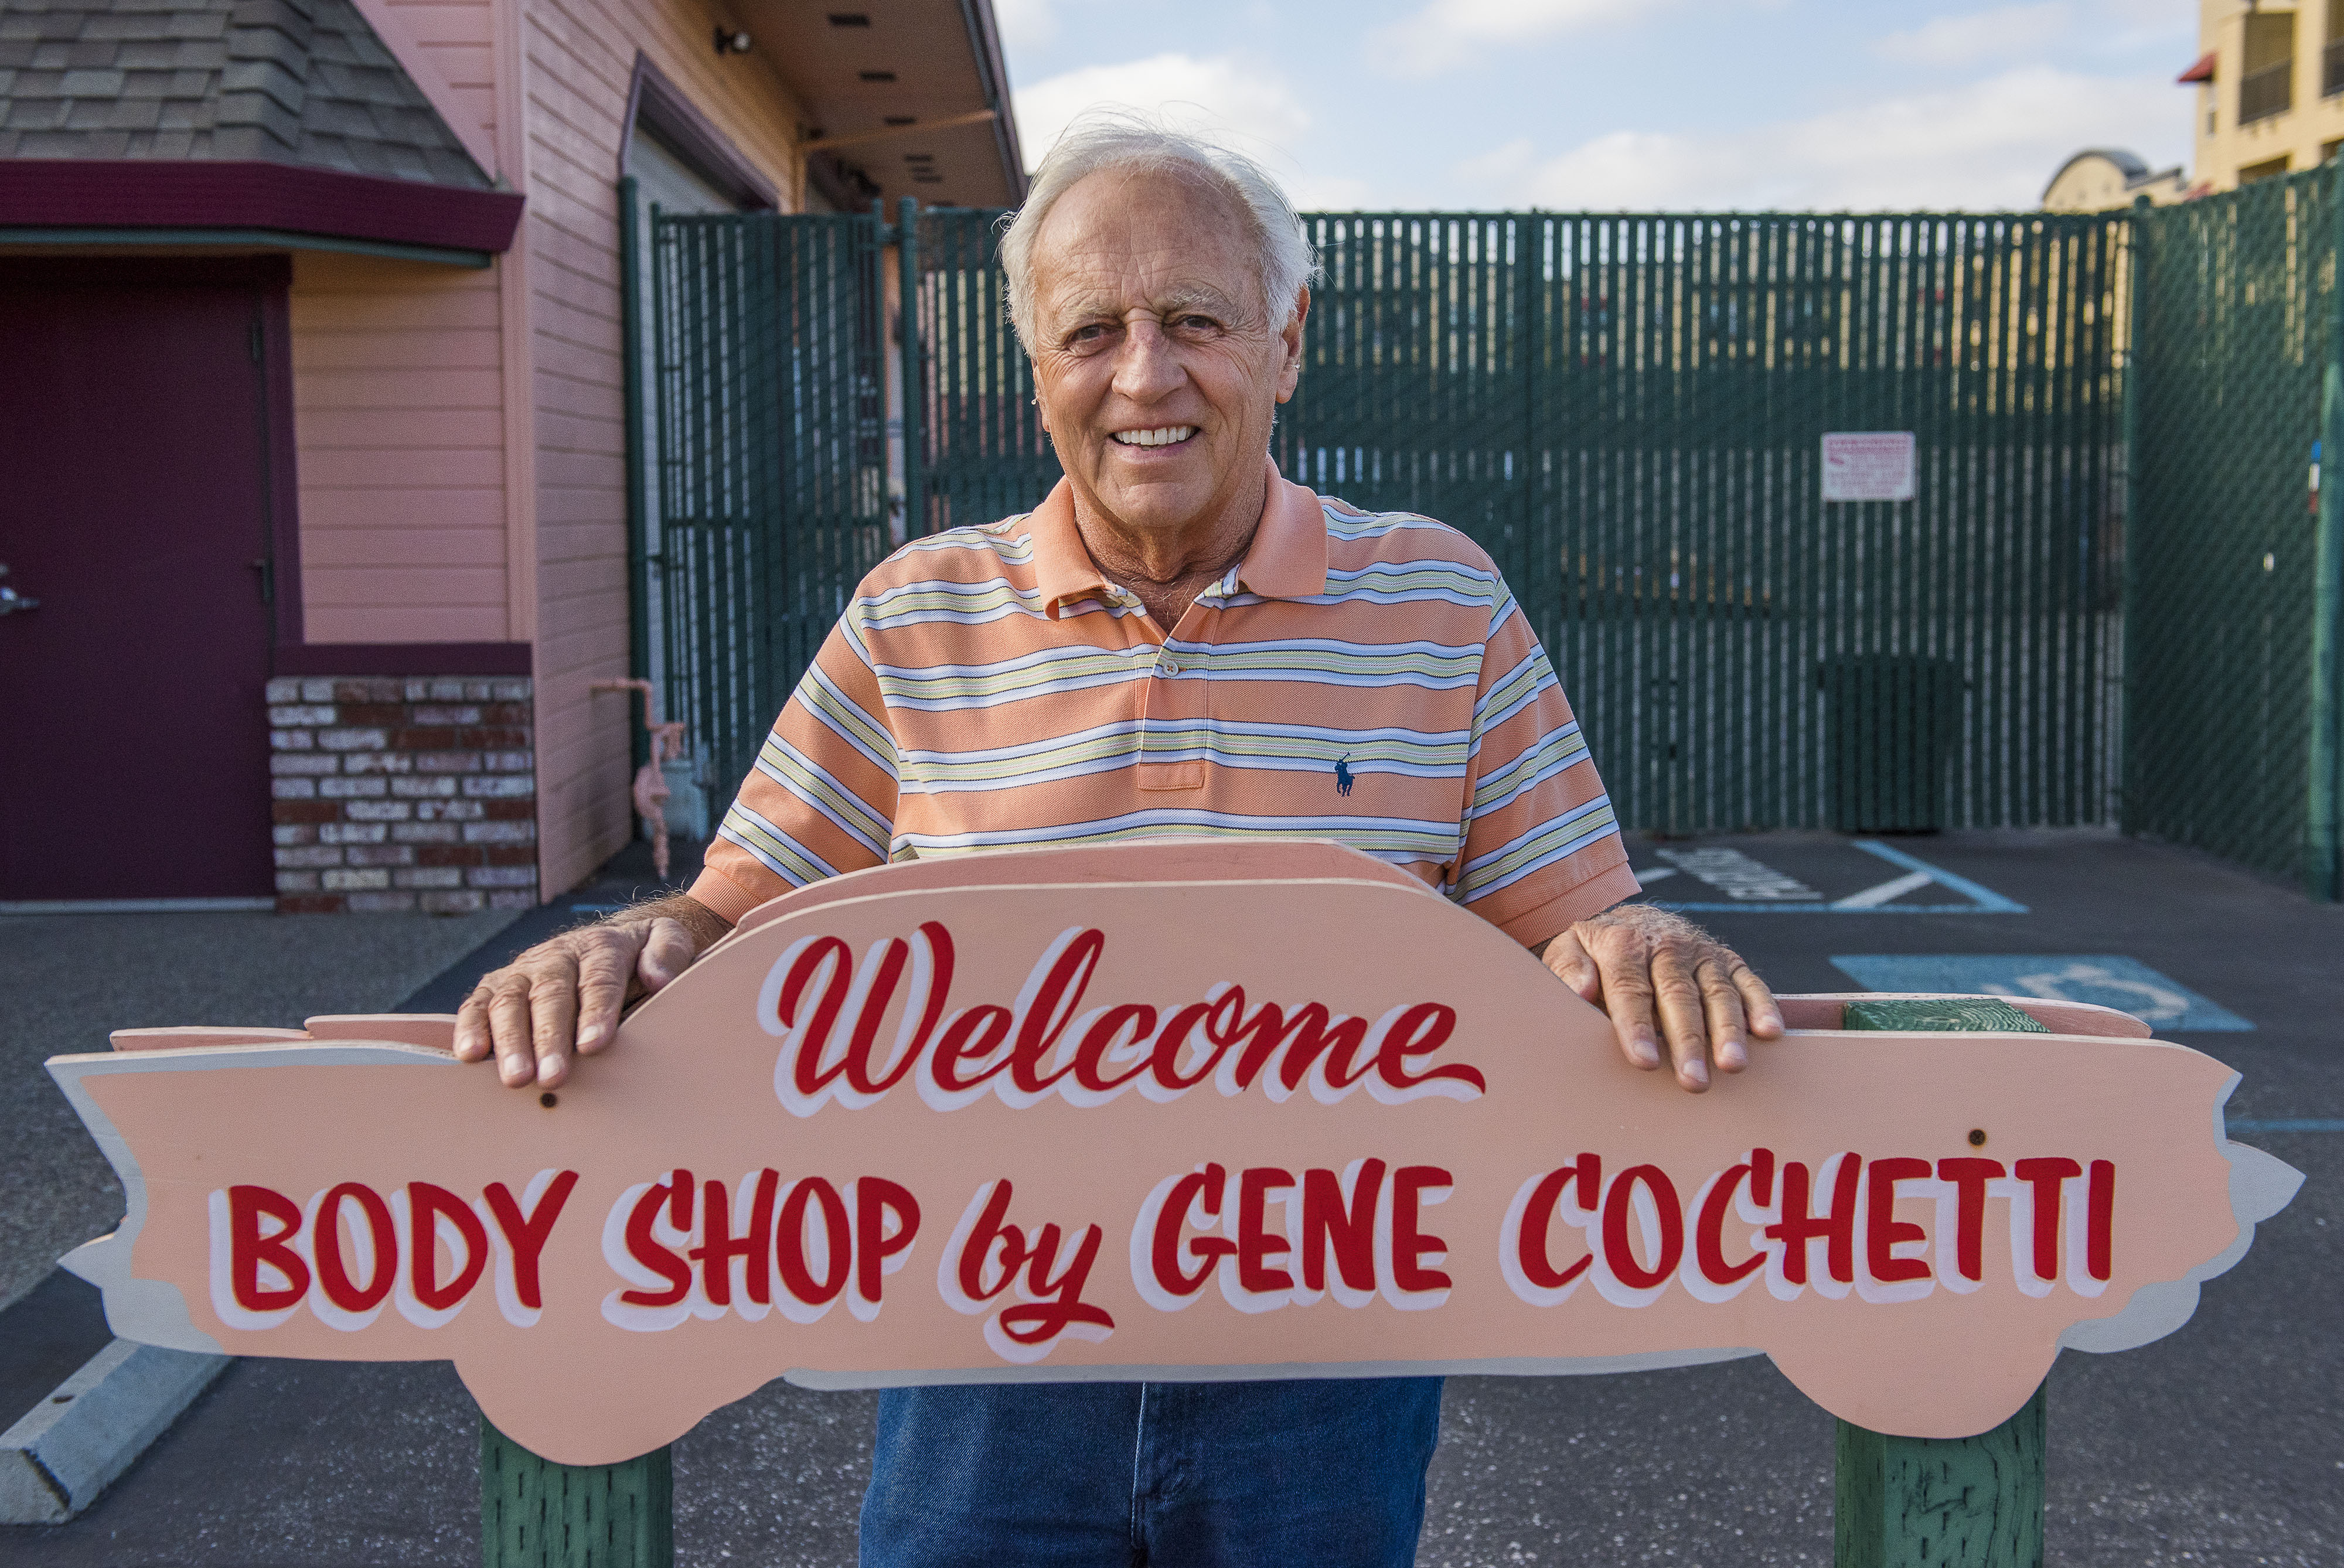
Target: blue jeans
x=1171 y=1475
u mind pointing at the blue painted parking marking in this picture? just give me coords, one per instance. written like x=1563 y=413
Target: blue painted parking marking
x=2108 y=979
x=2289 y=1124
x=1754 y=886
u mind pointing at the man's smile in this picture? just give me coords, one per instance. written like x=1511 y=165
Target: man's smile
x=1162 y=436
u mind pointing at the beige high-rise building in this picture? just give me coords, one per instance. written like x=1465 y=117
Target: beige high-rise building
x=2270 y=90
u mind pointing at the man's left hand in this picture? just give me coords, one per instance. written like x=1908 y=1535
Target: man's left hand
x=1662 y=977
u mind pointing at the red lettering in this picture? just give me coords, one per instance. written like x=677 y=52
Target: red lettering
x=1538 y=1216
x=1761 y=1177
x=1708 y=1227
x=525 y=1233
x=993 y=1022
x=875 y=1198
x=1054 y=1006
x=1797 y=1226
x=2046 y=1176
x=1409 y=1245
x=1311 y=1037
x=1421 y=1030
x=858 y=1057
x=1102 y=1035
x=1969 y=1177
x=1328 y=1226
x=856 y=1065
x=645 y=1247
x=426 y=1204
x=326 y=1245
x=249 y=1248
x=978 y=1250
x=1032 y=1323
x=1618 y=1255
x=813 y=1040
x=1164 y=1060
x=1883 y=1230
x=719 y=1246
x=789 y=1242
x=1165 y=1252
x=2100 y=1215
x=1255 y=1244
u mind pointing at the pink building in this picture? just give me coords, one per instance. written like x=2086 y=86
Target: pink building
x=316 y=434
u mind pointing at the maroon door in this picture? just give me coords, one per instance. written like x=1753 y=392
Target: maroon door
x=134 y=513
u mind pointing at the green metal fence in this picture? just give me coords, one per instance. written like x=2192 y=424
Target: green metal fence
x=768 y=468
x=2235 y=336
x=1627 y=412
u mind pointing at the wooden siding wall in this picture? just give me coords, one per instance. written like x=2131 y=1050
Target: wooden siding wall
x=580 y=61
x=421 y=391
x=398 y=430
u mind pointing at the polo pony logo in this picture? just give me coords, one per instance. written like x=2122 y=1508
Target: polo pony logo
x=1343 y=779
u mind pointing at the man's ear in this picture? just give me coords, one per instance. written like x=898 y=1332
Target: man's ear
x=1290 y=339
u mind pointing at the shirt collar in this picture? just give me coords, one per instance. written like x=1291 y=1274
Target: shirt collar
x=1288 y=558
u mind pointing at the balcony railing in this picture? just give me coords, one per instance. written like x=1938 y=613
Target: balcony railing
x=2268 y=92
x=2331 y=69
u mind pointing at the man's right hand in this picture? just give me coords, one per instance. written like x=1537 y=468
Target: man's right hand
x=564 y=996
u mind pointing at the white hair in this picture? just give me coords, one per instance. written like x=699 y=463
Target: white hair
x=1121 y=140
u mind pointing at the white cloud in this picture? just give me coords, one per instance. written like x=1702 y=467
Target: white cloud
x=1025 y=24
x=1241 y=104
x=2005 y=32
x=1450 y=33
x=1984 y=145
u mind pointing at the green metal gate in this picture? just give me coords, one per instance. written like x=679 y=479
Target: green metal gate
x=2231 y=718
x=769 y=464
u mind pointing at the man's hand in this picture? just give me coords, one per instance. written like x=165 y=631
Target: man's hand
x=1659 y=976
x=565 y=995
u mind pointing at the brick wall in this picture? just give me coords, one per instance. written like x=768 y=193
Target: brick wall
x=403 y=793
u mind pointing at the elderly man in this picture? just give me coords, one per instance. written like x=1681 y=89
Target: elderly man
x=1178 y=640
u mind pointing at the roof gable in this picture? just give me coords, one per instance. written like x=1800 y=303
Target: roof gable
x=300 y=82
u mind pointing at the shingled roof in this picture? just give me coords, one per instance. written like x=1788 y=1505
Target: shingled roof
x=298 y=82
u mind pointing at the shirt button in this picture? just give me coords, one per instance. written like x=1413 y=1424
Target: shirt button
x=1168 y=666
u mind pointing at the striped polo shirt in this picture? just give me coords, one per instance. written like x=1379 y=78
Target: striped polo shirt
x=1358 y=676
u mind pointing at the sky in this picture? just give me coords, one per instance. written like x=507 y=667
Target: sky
x=1627 y=104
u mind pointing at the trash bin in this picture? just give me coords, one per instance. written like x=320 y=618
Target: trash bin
x=1891 y=722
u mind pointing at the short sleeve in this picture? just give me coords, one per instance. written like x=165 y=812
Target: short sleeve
x=1541 y=850
x=821 y=800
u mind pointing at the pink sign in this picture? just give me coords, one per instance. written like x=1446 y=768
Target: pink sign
x=1167 y=1111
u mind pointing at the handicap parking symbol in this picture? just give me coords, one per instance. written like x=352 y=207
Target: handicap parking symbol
x=2106 y=979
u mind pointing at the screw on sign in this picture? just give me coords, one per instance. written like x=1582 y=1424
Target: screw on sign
x=1156 y=1111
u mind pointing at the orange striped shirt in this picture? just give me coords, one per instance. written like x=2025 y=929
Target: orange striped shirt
x=1362 y=677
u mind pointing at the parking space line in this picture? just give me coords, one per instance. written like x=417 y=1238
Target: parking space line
x=1875 y=900
x=1871 y=897
x=2289 y=1124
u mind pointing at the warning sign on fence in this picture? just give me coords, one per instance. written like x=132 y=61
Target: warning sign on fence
x=1868 y=465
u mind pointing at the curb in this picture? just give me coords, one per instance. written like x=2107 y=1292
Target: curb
x=66 y=1450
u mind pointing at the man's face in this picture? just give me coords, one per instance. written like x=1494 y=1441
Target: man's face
x=1157 y=365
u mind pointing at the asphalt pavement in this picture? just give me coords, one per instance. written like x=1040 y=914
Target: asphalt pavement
x=2220 y=1445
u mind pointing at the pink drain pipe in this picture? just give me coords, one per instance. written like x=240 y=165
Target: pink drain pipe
x=651 y=782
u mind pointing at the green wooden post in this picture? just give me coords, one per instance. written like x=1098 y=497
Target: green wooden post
x=1942 y=1503
x=535 y=1513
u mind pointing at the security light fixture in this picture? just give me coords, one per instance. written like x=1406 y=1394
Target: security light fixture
x=878 y=76
x=849 y=19
x=729 y=41
x=901 y=120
